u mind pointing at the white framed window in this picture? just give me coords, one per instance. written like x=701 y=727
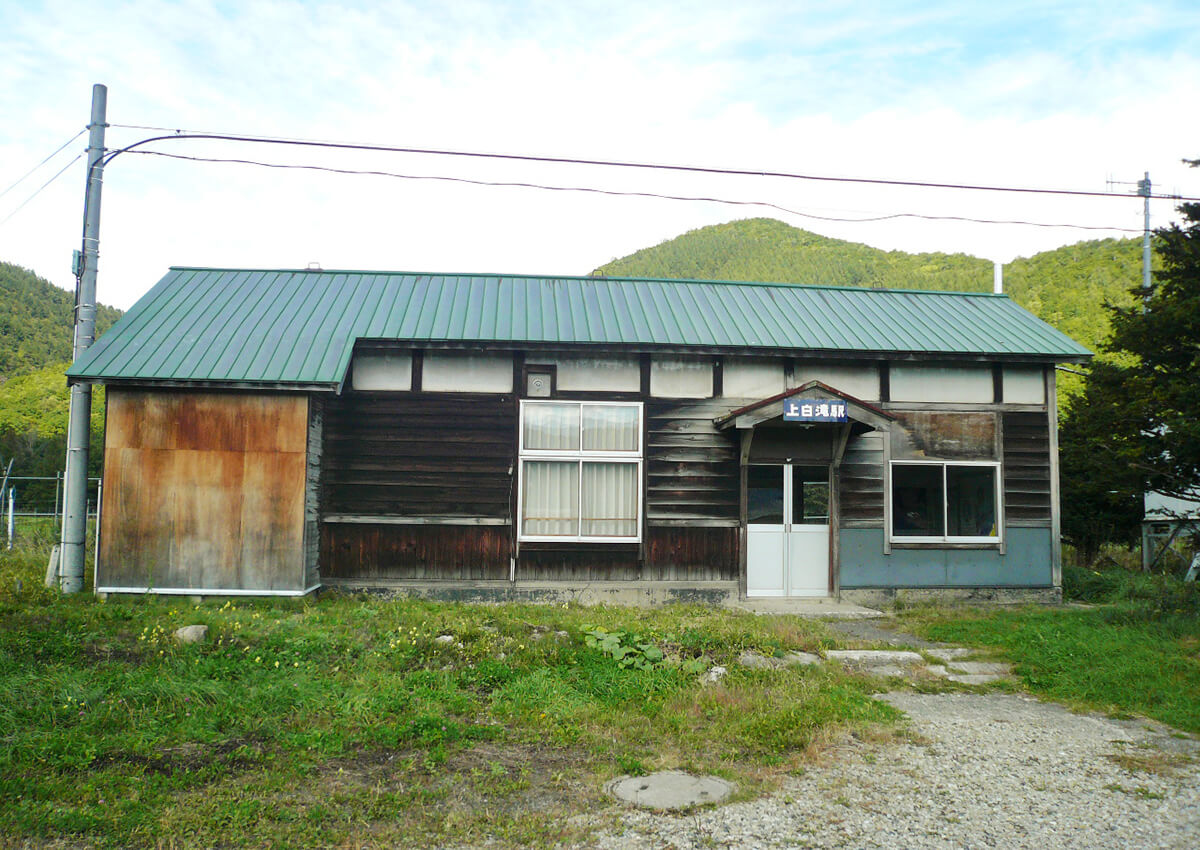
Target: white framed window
x=580 y=471
x=936 y=501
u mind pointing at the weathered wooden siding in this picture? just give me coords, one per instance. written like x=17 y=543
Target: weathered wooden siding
x=203 y=491
x=366 y=552
x=947 y=436
x=691 y=554
x=387 y=454
x=430 y=460
x=312 y=491
x=1026 y=438
x=691 y=467
x=860 y=481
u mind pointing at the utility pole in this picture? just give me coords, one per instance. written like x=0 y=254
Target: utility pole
x=74 y=531
x=1144 y=191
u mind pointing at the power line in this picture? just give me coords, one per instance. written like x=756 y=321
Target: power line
x=694 y=169
x=58 y=174
x=43 y=162
x=620 y=193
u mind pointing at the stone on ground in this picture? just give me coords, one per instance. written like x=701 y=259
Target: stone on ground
x=949 y=653
x=191 y=634
x=716 y=674
x=874 y=657
x=996 y=667
x=669 y=789
x=793 y=659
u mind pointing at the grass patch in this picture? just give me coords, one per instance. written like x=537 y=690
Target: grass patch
x=378 y=723
x=1136 y=652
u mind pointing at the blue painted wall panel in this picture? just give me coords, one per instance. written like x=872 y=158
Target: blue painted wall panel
x=1027 y=563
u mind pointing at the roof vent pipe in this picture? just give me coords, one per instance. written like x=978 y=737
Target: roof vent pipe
x=998 y=279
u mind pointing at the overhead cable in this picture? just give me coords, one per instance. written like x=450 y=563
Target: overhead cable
x=57 y=174
x=620 y=193
x=57 y=151
x=558 y=160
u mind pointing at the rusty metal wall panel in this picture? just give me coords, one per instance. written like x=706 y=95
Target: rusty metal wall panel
x=414 y=552
x=946 y=436
x=203 y=491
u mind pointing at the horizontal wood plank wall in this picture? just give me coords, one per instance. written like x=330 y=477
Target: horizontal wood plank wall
x=691 y=554
x=691 y=467
x=861 y=482
x=578 y=562
x=692 y=482
x=415 y=456
x=203 y=491
x=312 y=491
x=400 y=455
x=1026 y=438
x=414 y=552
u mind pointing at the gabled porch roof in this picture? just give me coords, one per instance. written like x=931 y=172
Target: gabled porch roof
x=772 y=408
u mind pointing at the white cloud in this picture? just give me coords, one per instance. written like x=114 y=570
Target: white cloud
x=893 y=90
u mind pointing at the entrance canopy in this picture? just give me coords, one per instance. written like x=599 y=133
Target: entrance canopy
x=802 y=404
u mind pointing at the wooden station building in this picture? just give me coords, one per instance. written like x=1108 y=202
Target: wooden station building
x=508 y=437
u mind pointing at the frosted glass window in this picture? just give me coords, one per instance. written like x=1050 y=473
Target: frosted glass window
x=551 y=498
x=552 y=427
x=610 y=500
x=613 y=429
x=581 y=471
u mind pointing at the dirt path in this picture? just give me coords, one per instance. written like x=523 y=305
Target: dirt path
x=982 y=770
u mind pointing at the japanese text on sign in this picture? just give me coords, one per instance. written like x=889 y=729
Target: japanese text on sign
x=814 y=410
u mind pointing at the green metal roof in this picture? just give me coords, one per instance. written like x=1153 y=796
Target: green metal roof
x=239 y=326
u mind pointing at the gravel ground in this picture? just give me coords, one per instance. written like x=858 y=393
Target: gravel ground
x=991 y=770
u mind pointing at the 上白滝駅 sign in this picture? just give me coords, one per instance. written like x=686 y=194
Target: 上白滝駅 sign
x=814 y=410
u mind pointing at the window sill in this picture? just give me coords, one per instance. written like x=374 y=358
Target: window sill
x=927 y=544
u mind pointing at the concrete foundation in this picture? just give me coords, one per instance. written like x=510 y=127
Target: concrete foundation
x=641 y=594
x=894 y=597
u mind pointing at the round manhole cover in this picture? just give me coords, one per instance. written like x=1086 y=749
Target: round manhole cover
x=669 y=789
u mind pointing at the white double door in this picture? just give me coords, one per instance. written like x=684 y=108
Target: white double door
x=787 y=531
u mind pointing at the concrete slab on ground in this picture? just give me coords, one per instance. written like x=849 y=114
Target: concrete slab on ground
x=874 y=657
x=669 y=790
x=813 y=607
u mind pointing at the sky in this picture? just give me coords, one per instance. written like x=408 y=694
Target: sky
x=1064 y=95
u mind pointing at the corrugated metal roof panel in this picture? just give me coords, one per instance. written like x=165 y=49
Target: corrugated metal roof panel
x=299 y=327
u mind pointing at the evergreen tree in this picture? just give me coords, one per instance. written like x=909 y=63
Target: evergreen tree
x=1136 y=426
x=1163 y=382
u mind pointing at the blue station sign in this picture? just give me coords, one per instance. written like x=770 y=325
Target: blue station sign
x=814 y=410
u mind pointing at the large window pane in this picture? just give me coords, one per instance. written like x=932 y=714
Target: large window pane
x=551 y=498
x=551 y=427
x=971 y=501
x=610 y=500
x=764 y=495
x=610 y=429
x=810 y=495
x=917 y=500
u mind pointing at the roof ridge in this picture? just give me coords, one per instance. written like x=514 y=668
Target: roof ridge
x=599 y=278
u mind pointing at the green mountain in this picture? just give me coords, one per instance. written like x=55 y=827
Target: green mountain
x=35 y=322
x=35 y=347
x=1065 y=287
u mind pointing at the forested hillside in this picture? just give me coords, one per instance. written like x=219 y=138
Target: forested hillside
x=1065 y=287
x=764 y=249
x=35 y=321
x=35 y=347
